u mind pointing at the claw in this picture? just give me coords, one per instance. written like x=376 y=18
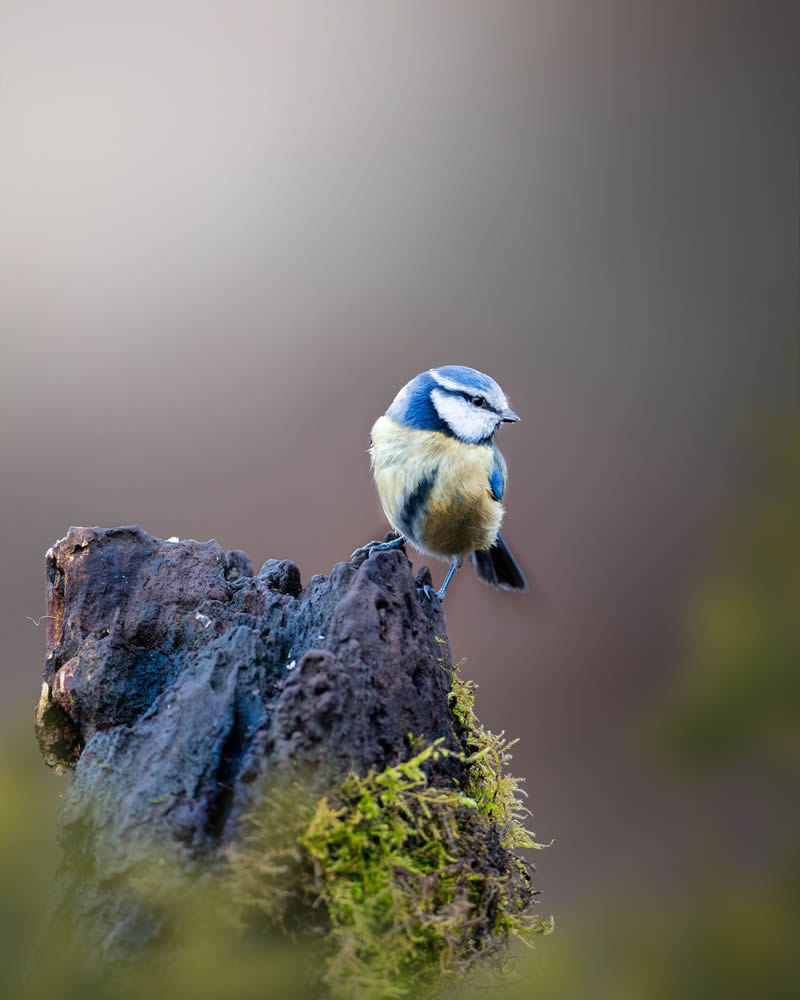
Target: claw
x=364 y=548
x=429 y=592
x=371 y=547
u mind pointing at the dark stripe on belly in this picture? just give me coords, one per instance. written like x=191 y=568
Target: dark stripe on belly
x=415 y=502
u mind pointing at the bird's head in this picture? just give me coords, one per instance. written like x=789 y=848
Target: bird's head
x=455 y=400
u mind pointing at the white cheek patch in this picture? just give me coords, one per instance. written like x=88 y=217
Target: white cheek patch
x=469 y=423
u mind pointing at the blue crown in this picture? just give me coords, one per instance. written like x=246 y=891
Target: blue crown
x=468 y=378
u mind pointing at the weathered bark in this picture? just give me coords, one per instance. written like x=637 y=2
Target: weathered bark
x=174 y=678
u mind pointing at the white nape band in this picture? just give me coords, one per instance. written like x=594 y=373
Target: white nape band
x=400 y=401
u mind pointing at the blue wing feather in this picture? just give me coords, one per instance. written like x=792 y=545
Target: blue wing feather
x=498 y=476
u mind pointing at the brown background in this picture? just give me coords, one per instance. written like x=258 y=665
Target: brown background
x=231 y=231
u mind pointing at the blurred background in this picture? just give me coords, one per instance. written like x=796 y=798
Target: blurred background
x=230 y=232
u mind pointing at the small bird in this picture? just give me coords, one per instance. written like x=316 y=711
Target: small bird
x=441 y=477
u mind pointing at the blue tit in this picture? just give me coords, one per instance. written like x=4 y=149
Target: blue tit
x=441 y=477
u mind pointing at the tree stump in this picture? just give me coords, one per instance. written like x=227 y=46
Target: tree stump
x=175 y=678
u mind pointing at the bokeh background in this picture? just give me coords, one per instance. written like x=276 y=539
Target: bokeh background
x=230 y=232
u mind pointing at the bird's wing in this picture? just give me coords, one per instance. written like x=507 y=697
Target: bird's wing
x=498 y=476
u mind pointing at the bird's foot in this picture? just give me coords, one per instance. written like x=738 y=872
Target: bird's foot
x=371 y=547
x=427 y=591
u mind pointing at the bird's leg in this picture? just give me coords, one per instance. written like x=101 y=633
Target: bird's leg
x=371 y=547
x=428 y=591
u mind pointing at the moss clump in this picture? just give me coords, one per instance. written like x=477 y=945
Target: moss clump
x=496 y=792
x=408 y=883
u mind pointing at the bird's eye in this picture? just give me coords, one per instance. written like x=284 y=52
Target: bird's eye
x=478 y=401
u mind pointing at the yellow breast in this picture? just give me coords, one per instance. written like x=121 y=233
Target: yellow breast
x=435 y=489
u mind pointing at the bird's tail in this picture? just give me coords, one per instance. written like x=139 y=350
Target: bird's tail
x=498 y=567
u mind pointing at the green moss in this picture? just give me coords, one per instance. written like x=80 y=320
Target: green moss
x=408 y=884
x=495 y=791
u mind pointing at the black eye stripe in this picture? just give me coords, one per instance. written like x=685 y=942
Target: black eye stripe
x=472 y=397
x=482 y=402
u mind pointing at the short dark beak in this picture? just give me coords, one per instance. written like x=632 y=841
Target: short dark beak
x=509 y=417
